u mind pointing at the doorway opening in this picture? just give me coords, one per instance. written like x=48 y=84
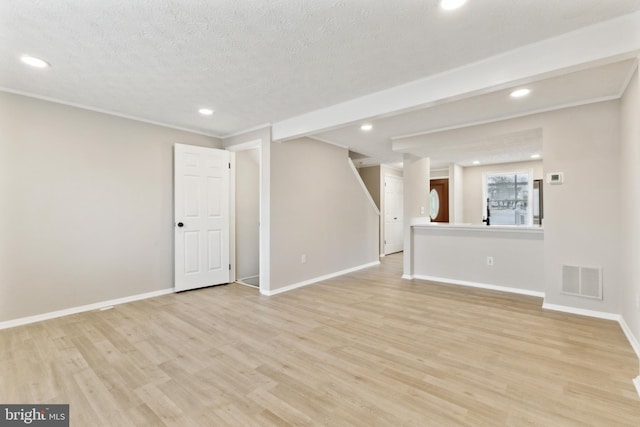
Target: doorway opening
x=439 y=200
x=247 y=218
x=393 y=216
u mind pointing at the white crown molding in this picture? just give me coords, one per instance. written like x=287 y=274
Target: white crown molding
x=108 y=112
x=242 y=132
x=397 y=140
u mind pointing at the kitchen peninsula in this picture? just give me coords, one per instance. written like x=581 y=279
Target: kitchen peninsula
x=506 y=258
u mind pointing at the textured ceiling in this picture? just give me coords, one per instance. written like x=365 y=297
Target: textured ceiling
x=593 y=84
x=258 y=62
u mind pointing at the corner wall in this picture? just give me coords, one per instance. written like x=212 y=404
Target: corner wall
x=259 y=138
x=319 y=210
x=580 y=216
x=630 y=207
x=247 y=213
x=87 y=206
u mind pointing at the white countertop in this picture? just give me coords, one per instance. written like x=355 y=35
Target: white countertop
x=420 y=223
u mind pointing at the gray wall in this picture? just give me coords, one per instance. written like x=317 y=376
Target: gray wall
x=630 y=204
x=581 y=225
x=318 y=208
x=416 y=171
x=460 y=254
x=87 y=206
x=456 y=194
x=247 y=213
x=371 y=177
x=584 y=143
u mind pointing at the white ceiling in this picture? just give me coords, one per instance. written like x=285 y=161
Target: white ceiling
x=263 y=61
x=596 y=83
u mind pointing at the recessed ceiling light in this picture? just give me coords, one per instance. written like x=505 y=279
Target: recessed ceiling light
x=535 y=156
x=452 y=4
x=366 y=127
x=519 y=93
x=476 y=162
x=205 y=111
x=34 y=62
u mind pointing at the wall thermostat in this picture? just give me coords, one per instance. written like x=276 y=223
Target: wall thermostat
x=555 y=178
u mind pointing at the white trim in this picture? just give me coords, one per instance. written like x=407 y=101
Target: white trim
x=240 y=282
x=317 y=279
x=627 y=79
x=635 y=344
x=80 y=309
x=407 y=277
x=364 y=187
x=393 y=166
x=108 y=112
x=636 y=382
x=244 y=145
x=633 y=341
x=480 y=285
x=242 y=132
x=398 y=139
x=582 y=311
x=232 y=216
x=326 y=141
x=263 y=148
x=479 y=228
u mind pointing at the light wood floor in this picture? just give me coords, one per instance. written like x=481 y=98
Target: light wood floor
x=365 y=349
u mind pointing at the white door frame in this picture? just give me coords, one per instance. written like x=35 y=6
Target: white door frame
x=264 y=215
x=221 y=221
x=383 y=209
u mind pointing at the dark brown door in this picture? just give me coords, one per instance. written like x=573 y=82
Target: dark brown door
x=441 y=187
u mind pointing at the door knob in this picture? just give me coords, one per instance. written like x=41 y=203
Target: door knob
x=180 y=225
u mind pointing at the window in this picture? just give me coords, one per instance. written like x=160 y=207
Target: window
x=508 y=195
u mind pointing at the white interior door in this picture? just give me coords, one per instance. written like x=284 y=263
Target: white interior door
x=201 y=217
x=393 y=214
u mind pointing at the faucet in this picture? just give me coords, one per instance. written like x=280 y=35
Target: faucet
x=488 y=218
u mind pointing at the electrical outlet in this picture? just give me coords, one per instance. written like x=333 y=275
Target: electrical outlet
x=638 y=302
x=303 y=259
x=421 y=210
x=489 y=260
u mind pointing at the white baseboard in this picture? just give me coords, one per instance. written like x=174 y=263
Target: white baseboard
x=89 y=307
x=633 y=341
x=317 y=279
x=480 y=285
x=582 y=311
x=407 y=276
x=635 y=344
x=636 y=382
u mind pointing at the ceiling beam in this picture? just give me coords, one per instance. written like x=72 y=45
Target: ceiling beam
x=597 y=44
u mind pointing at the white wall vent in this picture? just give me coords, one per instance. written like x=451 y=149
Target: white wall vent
x=582 y=281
